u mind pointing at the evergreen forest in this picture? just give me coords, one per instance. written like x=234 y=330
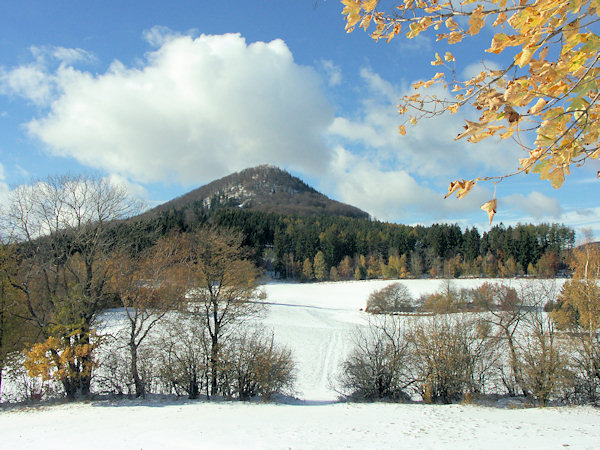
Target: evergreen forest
x=339 y=248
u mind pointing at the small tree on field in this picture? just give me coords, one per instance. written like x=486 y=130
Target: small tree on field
x=446 y=300
x=223 y=288
x=62 y=227
x=578 y=312
x=506 y=310
x=392 y=298
x=450 y=357
x=148 y=287
x=184 y=357
x=254 y=366
x=545 y=371
x=67 y=359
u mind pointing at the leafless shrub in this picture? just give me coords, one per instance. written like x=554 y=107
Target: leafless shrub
x=392 y=298
x=254 y=366
x=377 y=367
x=450 y=357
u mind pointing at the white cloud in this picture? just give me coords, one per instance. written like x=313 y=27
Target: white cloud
x=580 y=219
x=4 y=189
x=390 y=193
x=159 y=35
x=196 y=109
x=29 y=81
x=333 y=72
x=474 y=69
x=134 y=190
x=36 y=81
x=429 y=148
x=68 y=56
x=535 y=204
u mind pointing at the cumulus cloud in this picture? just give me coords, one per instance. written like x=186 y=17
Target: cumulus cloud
x=39 y=80
x=48 y=54
x=193 y=110
x=4 y=189
x=391 y=193
x=474 y=69
x=535 y=204
x=429 y=148
x=581 y=219
x=30 y=82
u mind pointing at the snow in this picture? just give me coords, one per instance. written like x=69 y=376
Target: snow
x=316 y=321
x=185 y=425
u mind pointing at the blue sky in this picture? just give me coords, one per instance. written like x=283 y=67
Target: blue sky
x=165 y=97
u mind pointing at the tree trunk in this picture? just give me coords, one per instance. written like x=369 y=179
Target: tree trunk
x=514 y=363
x=140 y=388
x=214 y=362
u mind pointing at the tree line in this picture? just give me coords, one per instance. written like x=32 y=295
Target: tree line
x=340 y=248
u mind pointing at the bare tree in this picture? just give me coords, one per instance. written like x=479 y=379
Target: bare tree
x=506 y=310
x=183 y=356
x=545 y=372
x=393 y=298
x=148 y=286
x=223 y=287
x=450 y=356
x=62 y=225
x=255 y=366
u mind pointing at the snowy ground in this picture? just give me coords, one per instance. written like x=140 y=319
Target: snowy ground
x=237 y=425
x=315 y=321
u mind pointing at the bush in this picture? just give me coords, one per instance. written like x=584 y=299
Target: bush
x=450 y=357
x=376 y=368
x=392 y=298
x=183 y=360
x=254 y=366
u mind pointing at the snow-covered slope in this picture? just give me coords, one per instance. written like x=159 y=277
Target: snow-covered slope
x=316 y=322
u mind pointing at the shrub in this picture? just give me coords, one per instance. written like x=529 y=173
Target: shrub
x=450 y=357
x=254 y=366
x=376 y=368
x=392 y=298
x=183 y=364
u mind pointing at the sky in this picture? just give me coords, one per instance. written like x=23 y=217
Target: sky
x=165 y=97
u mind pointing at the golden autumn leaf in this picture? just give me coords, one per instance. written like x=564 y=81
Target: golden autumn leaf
x=455 y=37
x=490 y=207
x=549 y=89
x=541 y=103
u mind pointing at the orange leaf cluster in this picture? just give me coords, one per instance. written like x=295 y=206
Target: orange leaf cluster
x=550 y=89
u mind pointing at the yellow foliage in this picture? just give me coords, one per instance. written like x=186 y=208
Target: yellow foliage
x=62 y=358
x=556 y=64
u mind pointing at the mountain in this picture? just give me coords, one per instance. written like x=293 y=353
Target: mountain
x=265 y=188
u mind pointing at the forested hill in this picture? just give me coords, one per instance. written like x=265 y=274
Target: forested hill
x=264 y=188
x=298 y=233
x=337 y=248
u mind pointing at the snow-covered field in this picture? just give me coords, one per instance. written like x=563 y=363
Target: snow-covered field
x=316 y=322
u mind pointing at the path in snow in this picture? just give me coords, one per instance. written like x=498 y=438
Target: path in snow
x=316 y=321
x=319 y=338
